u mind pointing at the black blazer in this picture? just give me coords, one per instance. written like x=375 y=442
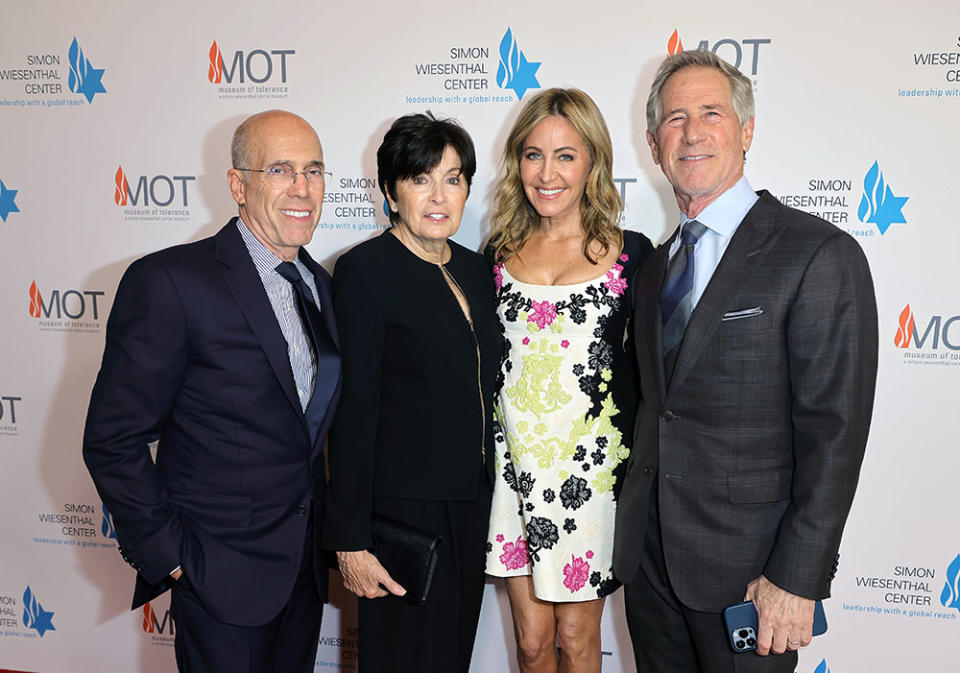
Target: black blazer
x=758 y=440
x=416 y=416
x=195 y=359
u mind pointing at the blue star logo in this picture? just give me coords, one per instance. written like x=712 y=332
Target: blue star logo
x=84 y=78
x=34 y=616
x=7 y=203
x=515 y=71
x=879 y=205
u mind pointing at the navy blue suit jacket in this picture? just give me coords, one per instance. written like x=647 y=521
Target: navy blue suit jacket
x=195 y=360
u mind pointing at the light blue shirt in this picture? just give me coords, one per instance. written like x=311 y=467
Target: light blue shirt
x=280 y=293
x=721 y=218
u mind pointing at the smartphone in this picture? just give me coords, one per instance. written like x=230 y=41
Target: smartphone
x=741 y=624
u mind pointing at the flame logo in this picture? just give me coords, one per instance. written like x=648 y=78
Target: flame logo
x=35 y=301
x=872 y=199
x=148 y=618
x=950 y=596
x=106 y=527
x=78 y=66
x=905 y=328
x=31 y=608
x=822 y=667
x=674 y=44
x=509 y=59
x=34 y=616
x=121 y=187
x=215 y=71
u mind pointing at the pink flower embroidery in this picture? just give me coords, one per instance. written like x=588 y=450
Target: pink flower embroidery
x=515 y=554
x=542 y=313
x=589 y=553
x=565 y=343
x=525 y=341
x=498 y=275
x=624 y=257
x=575 y=574
x=614 y=282
x=500 y=537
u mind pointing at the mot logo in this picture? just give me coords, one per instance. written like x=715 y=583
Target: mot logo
x=929 y=337
x=157 y=190
x=730 y=49
x=162 y=627
x=74 y=304
x=256 y=65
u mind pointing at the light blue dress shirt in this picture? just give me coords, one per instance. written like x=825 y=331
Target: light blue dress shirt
x=280 y=293
x=721 y=218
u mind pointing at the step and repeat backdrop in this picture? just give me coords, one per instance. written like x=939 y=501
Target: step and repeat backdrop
x=116 y=121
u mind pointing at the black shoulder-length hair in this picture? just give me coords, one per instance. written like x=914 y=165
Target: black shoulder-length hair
x=414 y=145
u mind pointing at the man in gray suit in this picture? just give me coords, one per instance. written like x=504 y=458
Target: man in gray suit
x=756 y=337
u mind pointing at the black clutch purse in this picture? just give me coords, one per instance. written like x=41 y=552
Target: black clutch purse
x=408 y=554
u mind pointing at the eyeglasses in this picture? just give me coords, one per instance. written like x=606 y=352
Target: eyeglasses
x=284 y=176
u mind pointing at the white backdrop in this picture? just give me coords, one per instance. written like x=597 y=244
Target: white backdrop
x=115 y=143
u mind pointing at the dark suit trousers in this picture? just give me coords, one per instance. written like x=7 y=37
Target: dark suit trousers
x=397 y=636
x=669 y=637
x=285 y=644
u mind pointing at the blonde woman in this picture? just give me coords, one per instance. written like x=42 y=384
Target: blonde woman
x=563 y=269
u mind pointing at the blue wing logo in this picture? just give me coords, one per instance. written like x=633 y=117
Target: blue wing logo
x=34 y=616
x=878 y=205
x=84 y=79
x=515 y=71
x=950 y=596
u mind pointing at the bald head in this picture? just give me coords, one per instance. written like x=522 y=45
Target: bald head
x=255 y=127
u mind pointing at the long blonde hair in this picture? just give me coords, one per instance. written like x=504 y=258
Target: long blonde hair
x=514 y=218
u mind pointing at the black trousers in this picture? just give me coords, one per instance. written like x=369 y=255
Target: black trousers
x=669 y=637
x=438 y=636
x=285 y=644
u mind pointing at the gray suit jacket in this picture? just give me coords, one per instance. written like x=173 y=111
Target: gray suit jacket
x=758 y=440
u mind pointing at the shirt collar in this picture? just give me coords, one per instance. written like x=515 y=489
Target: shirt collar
x=726 y=212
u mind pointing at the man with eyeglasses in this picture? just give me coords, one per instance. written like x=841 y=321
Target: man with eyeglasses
x=224 y=352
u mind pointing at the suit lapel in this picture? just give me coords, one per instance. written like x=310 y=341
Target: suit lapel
x=328 y=356
x=650 y=315
x=754 y=232
x=244 y=283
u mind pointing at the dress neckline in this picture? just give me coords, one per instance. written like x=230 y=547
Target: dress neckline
x=591 y=281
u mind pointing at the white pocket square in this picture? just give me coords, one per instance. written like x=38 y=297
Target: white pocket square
x=743 y=313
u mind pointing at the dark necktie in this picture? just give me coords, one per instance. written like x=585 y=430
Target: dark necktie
x=306 y=306
x=676 y=298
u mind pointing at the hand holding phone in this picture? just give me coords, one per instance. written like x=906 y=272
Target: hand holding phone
x=742 y=624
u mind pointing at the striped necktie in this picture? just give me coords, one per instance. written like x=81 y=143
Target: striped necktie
x=676 y=298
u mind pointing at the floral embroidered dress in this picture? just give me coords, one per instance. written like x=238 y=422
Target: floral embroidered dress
x=563 y=421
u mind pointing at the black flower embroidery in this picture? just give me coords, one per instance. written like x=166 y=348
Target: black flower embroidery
x=528 y=507
x=588 y=385
x=548 y=495
x=602 y=442
x=595 y=577
x=578 y=315
x=569 y=525
x=585 y=467
x=574 y=492
x=510 y=315
x=541 y=534
x=600 y=354
x=598 y=457
x=580 y=453
x=525 y=483
x=510 y=476
x=578 y=370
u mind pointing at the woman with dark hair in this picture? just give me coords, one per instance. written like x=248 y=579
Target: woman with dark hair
x=564 y=414
x=420 y=348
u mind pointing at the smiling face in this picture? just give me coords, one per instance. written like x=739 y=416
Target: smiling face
x=430 y=205
x=700 y=143
x=554 y=165
x=282 y=217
